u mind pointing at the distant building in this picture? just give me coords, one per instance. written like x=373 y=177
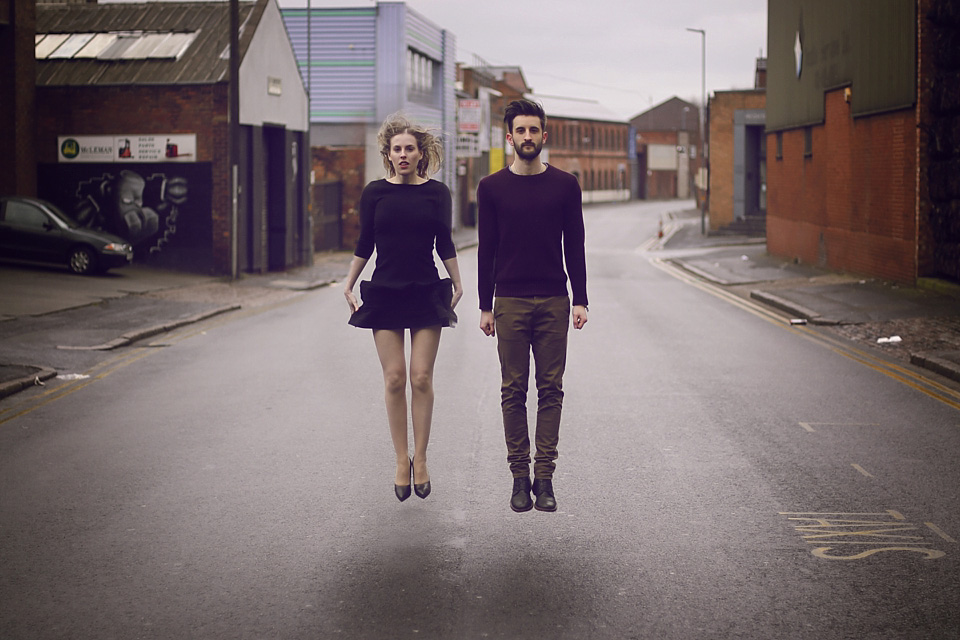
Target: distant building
x=862 y=119
x=583 y=137
x=360 y=65
x=483 y=91
x=591 y=142
x=668 y=150
x=132 y=131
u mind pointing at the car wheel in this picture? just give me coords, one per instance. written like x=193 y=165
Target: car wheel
x=82 y=260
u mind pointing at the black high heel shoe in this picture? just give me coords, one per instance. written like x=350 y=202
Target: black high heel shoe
x=422 y=490
x=403 y=490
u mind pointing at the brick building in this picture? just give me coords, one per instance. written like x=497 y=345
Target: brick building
x=863 y=136
x=591 y=142
x=668 y=150
x=583 y=137
x=133 y=124
x=738 y=160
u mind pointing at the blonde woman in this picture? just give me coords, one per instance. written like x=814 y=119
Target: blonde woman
x=405 y=216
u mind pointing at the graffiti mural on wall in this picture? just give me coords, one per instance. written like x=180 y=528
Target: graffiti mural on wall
x=163 y=209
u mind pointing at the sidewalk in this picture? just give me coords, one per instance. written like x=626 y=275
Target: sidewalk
x=924 y=322
x=149 y=303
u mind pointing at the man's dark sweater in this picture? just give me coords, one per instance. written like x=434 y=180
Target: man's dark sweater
x=528 y=226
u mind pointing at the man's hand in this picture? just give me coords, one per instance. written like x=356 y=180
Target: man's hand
x=579 y=316
x=487 y=324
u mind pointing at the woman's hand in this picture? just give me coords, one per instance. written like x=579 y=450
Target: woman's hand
x=453 y=270
x=351 y=300
x=457 y=294
x=356 y=266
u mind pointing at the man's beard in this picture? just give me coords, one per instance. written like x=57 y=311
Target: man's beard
x=528 y=154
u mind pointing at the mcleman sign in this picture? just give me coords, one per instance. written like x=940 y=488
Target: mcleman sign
x=174 y=147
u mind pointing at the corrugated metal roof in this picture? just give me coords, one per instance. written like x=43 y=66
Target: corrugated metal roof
x=575 y=108
x=161 y=27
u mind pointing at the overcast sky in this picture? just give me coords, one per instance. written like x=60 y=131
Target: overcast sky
x=627 y=54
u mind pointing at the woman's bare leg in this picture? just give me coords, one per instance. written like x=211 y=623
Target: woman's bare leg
x=390 y=349
x=423 y=354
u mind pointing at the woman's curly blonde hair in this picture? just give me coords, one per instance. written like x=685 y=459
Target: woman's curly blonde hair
x=431 y=147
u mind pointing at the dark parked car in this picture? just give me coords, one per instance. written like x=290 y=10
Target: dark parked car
x=36 y=230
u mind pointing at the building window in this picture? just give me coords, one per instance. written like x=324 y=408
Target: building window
x=422 y=77
x=807 y=141
x=779 y=145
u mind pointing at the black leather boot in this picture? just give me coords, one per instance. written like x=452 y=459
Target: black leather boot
x=543 y=489
x=521 y=501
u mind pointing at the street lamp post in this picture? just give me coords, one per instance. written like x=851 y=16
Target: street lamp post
x=233 y=109
x=703 y=137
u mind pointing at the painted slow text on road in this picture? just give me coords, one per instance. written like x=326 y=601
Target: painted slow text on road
x=855 y=536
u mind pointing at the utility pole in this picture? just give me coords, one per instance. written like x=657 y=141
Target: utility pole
x=703 y=136
x=234 y=144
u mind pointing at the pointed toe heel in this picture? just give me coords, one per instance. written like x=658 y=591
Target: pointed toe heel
x=403 y=490
x=422 y=490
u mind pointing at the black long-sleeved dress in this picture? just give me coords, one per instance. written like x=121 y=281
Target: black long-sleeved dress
x=404 y=222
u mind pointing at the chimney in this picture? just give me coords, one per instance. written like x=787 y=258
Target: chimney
x=760 y=78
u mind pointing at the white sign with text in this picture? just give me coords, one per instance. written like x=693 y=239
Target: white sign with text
x=173 y=147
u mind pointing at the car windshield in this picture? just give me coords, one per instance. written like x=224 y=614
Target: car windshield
x=58 y=212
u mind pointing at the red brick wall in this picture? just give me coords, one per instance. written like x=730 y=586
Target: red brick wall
x=850 y=206
x=197 y=109
x=344 y=165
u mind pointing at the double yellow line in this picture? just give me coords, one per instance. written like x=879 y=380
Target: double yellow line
x=65 y=388
x=900 y=373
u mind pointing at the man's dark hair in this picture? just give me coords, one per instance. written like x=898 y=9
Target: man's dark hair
x=523 y=107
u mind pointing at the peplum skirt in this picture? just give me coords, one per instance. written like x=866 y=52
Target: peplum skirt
x=409 y=306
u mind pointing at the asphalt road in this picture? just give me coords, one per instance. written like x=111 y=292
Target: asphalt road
x=721 y=475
